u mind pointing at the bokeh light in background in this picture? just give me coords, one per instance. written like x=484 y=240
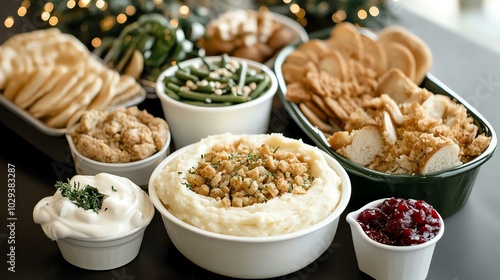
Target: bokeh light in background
x=92 y=20
x=9 y=22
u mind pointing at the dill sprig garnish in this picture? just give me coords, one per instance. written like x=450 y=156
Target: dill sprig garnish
x=87 y=198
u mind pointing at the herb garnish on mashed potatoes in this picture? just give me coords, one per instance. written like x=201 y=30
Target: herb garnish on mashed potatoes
x=249 y=185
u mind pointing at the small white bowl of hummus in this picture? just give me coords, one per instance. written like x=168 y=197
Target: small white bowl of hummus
x=126 y=142
x=97 y=221
x=239 y=205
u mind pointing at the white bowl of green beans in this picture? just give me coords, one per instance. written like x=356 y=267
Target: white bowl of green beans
x=217 y=94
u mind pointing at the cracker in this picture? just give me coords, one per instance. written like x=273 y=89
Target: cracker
x=419 y=49
x=297 y=57
x=333 y=63
x=315 y=120
x=397 y=85
x=292 y=72
x=375 y=50
x=337 y=109
x=296 y=93
x=320 y=102
x=314 y=48
x=400 y=57
x=346 y=104
x=317 y=111
x=346 y=37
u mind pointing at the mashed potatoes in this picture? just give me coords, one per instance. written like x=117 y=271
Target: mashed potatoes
x=284 y=213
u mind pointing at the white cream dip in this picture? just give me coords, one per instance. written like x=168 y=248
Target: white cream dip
x=125 y=207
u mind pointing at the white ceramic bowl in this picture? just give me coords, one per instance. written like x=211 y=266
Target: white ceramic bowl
x=104 y=240
x=190 y=123
x=137 y=171
x=102 y=253
x=387 y=262
x=252 y=257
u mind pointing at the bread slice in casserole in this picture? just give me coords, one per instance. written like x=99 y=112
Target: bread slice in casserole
x=360 y=146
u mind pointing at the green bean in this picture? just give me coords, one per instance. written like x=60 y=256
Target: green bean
x=192 y=95
x=224 y=60
x=180 y=67
x=223 y=80
x=174 y=80
x=173 y=87
x=200 y=73
x=198 y=86
x=201 y=103
x=210 y=65
x=255 y=79
x=243 y=74
x=261 y=86
x=184 y=75
x=205 y=89
x=170 y=93
x=249 y=79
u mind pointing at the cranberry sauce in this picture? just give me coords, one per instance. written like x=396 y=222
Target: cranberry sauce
x=400 y=222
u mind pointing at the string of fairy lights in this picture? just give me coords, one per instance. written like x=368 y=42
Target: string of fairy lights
x=50 y=12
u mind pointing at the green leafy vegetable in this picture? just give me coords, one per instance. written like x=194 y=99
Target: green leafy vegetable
x=88 y=198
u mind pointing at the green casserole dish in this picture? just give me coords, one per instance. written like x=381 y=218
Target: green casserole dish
x=446 y=190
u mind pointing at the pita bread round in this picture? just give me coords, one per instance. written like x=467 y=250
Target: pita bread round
x=49 y=84
x=40 y=34
x=126 y=89
x=15 y=83
x=124 y=83
x=61 y=118
x=7 y=54
x=75 y=91
x=107 y=92
x=44 y=105
x=31 y=89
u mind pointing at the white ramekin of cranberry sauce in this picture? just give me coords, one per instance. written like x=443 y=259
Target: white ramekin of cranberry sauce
x=394 y=238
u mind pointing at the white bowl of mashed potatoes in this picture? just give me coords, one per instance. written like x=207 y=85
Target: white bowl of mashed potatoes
x=126 y=142
x=271 y=208
x=97 y=221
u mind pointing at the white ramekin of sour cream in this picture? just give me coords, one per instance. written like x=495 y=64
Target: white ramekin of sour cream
x=97 y=238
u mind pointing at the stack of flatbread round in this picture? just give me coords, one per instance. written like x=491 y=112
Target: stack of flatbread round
x=55 y=78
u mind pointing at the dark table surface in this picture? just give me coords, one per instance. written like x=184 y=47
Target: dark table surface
x=469 y=249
